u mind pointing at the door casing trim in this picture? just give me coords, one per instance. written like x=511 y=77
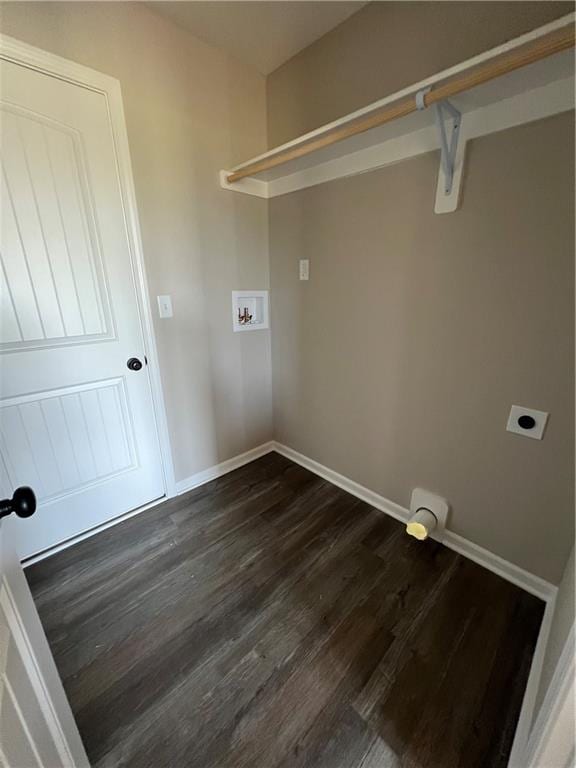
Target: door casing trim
x=21 y=53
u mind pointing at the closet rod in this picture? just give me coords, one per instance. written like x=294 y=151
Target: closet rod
x=555 y=42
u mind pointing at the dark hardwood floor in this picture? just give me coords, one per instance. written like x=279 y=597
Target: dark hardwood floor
x=271 y=620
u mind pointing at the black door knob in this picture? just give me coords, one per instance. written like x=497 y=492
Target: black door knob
x=22 y=503
x=134 y=364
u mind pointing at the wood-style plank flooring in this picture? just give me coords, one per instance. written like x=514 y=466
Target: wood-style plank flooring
x=270 y=620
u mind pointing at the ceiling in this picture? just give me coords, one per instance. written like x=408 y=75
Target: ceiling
x=262 y=34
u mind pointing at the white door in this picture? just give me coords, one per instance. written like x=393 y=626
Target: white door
x=37 y=728
x=76 y=423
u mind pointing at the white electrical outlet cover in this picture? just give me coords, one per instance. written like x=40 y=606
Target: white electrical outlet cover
x=533 y=430
x=304 y=269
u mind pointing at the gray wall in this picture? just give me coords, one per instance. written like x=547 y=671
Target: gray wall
x=397 y=363
x=190 y=110
x=384 y=47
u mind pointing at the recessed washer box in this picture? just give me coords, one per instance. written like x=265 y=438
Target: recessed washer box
x=250 y=310
x=527 y=422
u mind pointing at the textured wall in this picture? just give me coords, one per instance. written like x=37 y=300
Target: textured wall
x=190 y=110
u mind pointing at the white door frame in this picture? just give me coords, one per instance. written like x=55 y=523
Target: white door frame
x=25 y=627
x=16 y=51
x=551 y=741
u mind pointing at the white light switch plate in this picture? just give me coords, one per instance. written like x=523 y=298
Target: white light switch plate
x=536 y=432
x=165 y=306
x=304 y=269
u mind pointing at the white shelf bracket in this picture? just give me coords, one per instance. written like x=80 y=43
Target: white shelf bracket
x=451 y=154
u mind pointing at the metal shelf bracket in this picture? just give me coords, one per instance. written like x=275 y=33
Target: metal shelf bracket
x=448 y=124
x=444 y=110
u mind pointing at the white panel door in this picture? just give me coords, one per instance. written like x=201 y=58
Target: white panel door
x=37 y=729
x=75 y=423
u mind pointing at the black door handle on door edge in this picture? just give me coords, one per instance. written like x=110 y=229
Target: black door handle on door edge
x=22 y=503
x=134 y=364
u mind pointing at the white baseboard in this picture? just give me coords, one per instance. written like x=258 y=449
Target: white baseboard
x=181 y=487
x=223 y=468
x=360 y=491
x=513 y=573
